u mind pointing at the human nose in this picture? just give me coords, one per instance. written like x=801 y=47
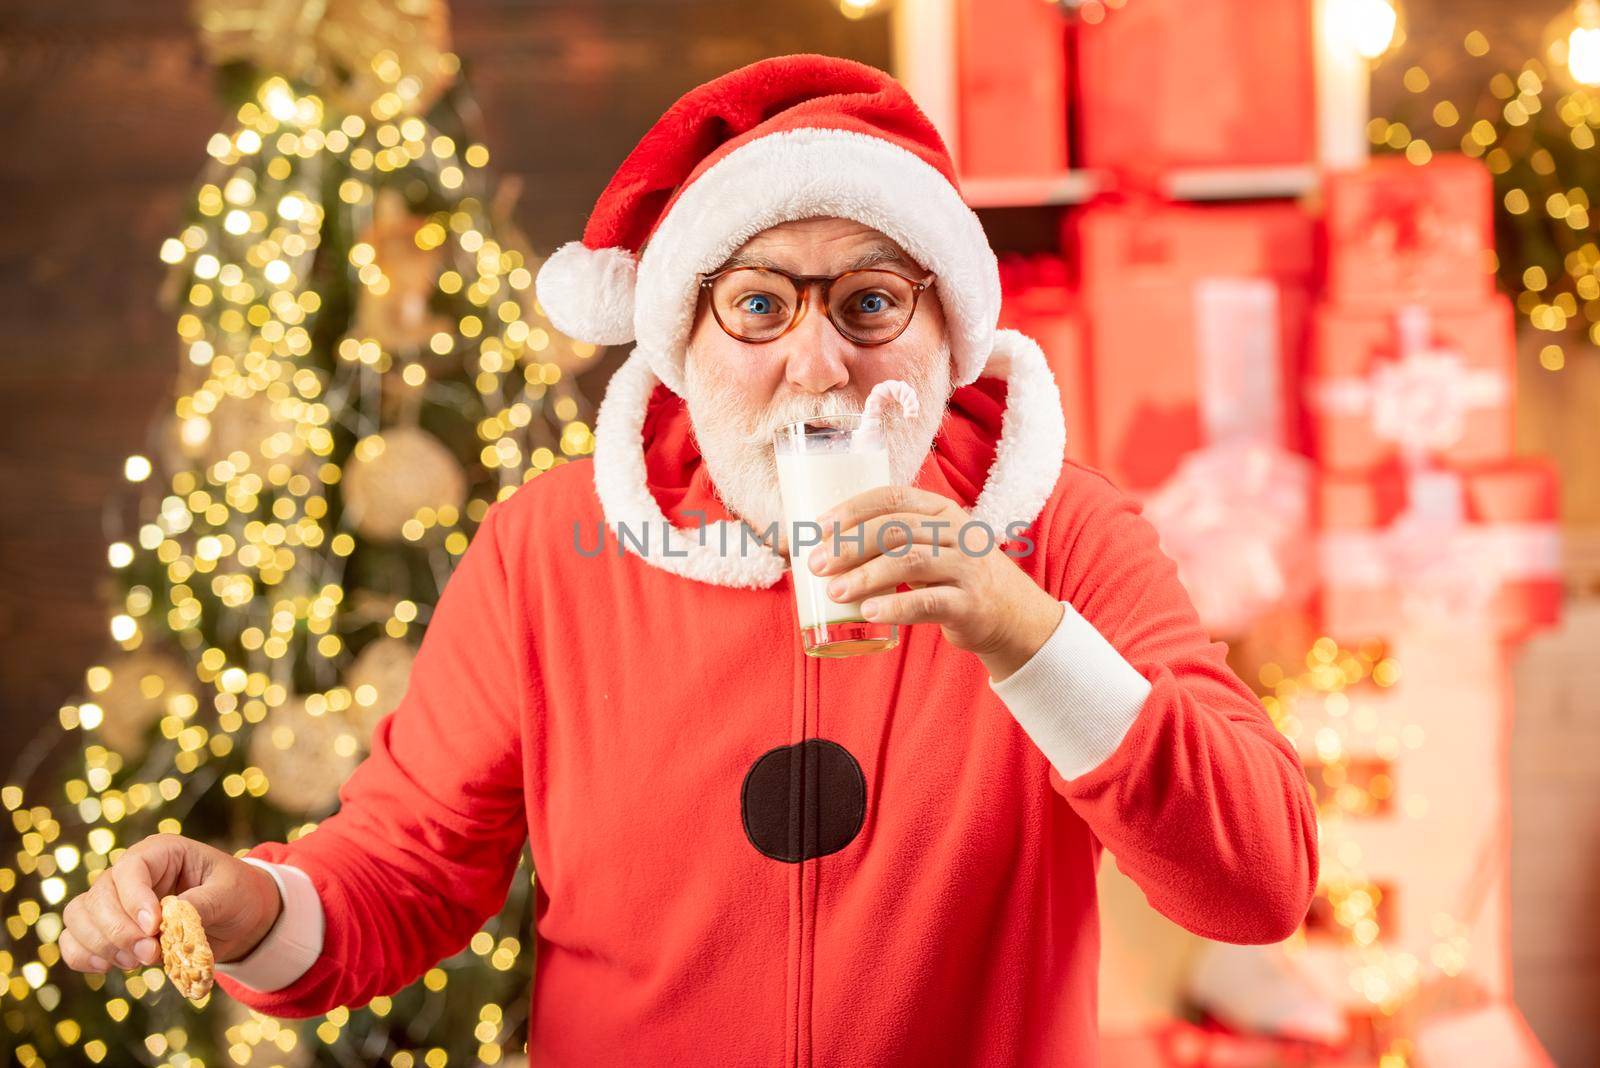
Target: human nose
x=814 y=351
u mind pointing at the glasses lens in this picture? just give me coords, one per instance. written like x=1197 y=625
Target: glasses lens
x=754 y=304
x=871 y=306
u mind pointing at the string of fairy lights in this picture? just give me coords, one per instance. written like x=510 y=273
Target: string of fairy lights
x=1533 y=122
x=1338 y=708
x=300 y=433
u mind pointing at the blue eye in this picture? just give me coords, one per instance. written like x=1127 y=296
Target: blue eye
x=873 y=303
x=757 y=304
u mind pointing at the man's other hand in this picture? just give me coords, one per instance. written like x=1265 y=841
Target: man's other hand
x=117 y=921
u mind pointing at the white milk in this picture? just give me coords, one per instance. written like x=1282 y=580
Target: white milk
x=811 y=483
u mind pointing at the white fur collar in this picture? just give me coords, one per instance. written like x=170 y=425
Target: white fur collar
x=1027 y=463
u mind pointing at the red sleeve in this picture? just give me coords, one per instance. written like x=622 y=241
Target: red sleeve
x=431 y=824
x=1204 y=803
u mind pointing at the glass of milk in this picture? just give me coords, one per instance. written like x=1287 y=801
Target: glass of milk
x=821 y=462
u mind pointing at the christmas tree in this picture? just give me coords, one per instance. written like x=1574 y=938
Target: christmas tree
x=363 y=372
x=1532 y=119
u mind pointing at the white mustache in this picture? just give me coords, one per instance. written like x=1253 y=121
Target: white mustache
x=737 y=444
x=800 y=408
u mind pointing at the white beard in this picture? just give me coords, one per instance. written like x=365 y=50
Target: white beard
x=736 y=443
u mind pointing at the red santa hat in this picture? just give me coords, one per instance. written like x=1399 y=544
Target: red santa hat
x=793 y=137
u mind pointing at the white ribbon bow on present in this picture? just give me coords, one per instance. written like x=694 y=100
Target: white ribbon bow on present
x=1440 y=569
x=1419 y=401
x=1234 y=517
x=1438 y=563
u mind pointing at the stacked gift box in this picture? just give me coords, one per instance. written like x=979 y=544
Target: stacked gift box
x=1196 y=319
x=1013 y=67
x=1196 y=316
x=1311 y=390
x=1176 y=84
x=1157 y=83
x=1423 y=507
x=1366 y=339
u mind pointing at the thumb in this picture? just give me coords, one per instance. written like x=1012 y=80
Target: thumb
x=211 y=900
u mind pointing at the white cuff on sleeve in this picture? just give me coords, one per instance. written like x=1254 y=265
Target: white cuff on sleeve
x=1076 y=696
x=295 y=941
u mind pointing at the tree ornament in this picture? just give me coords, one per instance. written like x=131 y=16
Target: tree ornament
x=262 y=428
x=385 y=665
x=352 y=51
x=145 y=684
x=394 y=312
x=306 y=757
x=394 y=475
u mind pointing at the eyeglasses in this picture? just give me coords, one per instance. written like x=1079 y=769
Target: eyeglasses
x=871 y=306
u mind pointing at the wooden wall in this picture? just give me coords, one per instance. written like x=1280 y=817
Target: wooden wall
x=108 y=108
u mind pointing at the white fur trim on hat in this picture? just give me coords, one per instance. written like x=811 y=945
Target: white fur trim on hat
x=588 y=293
x=806 y=173
x=1026 y=466
x=632 y=512
x=1033 y=435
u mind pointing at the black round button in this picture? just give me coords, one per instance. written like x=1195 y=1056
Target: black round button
x=804 y=801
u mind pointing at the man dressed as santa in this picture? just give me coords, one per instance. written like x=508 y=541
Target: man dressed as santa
x=747 y=855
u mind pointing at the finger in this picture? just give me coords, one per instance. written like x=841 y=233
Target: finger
x=117 y=933
x=881 y=536
x=922 y=563
x=87 y=931
x=133 y=877
x=78 y=958
x=78 y=918
x=882 y=499
x=76 y=922
x=138 y=878
x=930 y=604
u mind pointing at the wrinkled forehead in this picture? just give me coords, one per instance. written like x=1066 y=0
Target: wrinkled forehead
x=821 y=247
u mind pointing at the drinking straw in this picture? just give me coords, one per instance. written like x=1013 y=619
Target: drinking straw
x=890 y=390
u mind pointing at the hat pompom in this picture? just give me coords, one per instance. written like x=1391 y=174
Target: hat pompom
x=587 y=293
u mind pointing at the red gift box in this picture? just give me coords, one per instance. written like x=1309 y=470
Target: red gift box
x=1040 y=300
x=1172 y=84
x=1011 y=65
x=1139 y=240
x=1480 y=542
x=1176 y=296
x=1428 y=382
x=1400 y=232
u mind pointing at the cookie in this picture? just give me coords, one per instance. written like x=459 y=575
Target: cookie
x=185 y=954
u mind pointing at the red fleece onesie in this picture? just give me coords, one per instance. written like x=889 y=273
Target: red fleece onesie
x=747 y=856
